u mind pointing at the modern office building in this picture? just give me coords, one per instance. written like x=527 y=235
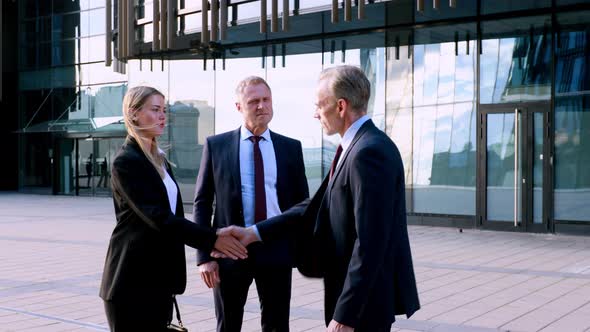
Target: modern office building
x=487 y=100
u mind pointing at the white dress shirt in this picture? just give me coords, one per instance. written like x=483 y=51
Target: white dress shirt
x=247 y=175
x=349 y=135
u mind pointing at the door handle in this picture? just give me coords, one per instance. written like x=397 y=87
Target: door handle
x=516 y=124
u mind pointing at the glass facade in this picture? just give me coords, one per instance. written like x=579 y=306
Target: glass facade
x=430 y=83
x=572 y=119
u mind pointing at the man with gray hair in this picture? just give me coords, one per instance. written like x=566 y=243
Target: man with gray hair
x=353 y=232
x=251 y=174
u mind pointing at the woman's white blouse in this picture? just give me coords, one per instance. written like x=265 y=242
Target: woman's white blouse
x=172 y=191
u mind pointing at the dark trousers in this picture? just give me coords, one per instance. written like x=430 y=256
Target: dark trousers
x=141 y=314
x=274 y=291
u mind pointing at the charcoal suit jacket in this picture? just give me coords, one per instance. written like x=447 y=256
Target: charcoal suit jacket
x=146 y=255
x=353 y=233
x=219 y=182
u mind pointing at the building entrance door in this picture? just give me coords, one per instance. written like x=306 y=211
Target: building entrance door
x=514 y=167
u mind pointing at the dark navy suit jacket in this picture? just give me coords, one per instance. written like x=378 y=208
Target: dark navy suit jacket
x=219 y=181
x=353 y=233
x=146 y=256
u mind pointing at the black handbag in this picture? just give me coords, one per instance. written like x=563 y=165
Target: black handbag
x=174 y=327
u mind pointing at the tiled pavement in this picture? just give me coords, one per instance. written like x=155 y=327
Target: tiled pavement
x=52 y=250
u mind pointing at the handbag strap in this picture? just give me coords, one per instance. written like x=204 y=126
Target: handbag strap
x=177 y=310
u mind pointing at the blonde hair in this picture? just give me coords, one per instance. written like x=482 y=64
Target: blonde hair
x=249 y=81
x=134 y=100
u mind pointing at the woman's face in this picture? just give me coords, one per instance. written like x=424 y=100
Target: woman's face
x=151 y=118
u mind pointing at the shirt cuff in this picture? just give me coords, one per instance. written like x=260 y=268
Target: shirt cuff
x=255 y=229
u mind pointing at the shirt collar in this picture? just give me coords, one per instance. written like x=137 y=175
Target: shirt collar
x=246 y=134
x=352 y=130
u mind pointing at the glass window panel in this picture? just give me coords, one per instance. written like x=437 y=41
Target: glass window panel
x=65 y=52
x=191 y=118
x=498 y=6
x=373 y=65
x=251 y=10
x=146 y=33
x=419 y=74
x=489 y=66
x=431 y=70
x=294 y=95
x=30 y=8
x=63 y=6
x=96 y=22
x=107 y=151
x=66 y=6
x=446 y=77
x=153 y=73
x=96 y=73
x=192 y=23
x=572 y=157
x=572 y=118
x=44 y=55
x=465 y=72
x=96 y=49
x=27 y=57
x=500 y=168
x=399 y=110
x=98 y=101
x=515 y=64
x=443 y=126
x=69 y=25
x=145 y=9
x=226 y=82
x=571 y=2
x=35 y=80
x=368 y=59
x=399 y=79
x=306 y=4
x=424 y=132
x=444 y=11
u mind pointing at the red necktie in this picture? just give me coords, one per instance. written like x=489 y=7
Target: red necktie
x=259 y=192
x=335 y=161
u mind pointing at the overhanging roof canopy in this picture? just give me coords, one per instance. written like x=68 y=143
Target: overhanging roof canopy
x=101 y=127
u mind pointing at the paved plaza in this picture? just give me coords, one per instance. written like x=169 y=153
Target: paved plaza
x=52 y=250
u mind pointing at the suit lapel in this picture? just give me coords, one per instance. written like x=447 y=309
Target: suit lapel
x=362 y=130
x=154 y=176
x=282 y=164
x=233 y=160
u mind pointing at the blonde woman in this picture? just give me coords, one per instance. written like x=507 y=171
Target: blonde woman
x=145 y=264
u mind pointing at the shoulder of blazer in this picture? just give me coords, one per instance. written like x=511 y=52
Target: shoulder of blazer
x=224 y=138
x=282 y=139
x=130 y=151
x=131 y=156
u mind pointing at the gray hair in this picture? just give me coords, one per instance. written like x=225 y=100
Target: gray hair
x=249 y=81
x=350 y=83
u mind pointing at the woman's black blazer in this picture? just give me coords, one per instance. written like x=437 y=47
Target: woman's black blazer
x=146 y=251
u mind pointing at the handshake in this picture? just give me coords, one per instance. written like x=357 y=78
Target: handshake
x=232 y=241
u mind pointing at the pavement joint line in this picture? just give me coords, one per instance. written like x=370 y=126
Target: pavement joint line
x=502 y=270
x=32 y=239
x=566 y=314
x=462 y=290
x=92 y=326
x=511 y=301
x=433 y=326
x=545 y=304
x=467 y=304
